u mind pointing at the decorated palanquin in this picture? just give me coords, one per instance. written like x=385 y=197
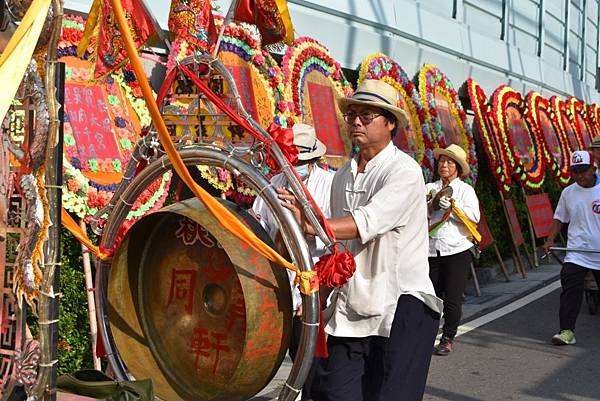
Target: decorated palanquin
x=313 y=82
x=522 y=145
x=103 y=122
x=444 y=113
x=415 y=139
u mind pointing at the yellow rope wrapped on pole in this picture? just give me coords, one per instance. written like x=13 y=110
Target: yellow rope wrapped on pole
x=308 y=281
x=471 y=226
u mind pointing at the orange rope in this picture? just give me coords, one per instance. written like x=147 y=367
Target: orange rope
x=228 y=220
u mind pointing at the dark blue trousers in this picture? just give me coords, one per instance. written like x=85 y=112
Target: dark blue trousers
x=377 y=368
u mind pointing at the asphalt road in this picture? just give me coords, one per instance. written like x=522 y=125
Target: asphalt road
x=511 y=358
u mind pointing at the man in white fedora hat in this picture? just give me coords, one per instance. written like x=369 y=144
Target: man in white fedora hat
x=449 y=239
x=318 y=182
x=384 y=320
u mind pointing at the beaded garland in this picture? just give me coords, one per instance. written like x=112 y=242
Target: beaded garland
x=541 y=119
x=434 y=82
x=381 y=67
x=526 y=159
x=306 y=55
x=497 y=160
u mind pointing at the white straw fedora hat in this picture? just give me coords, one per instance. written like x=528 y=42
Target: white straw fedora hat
x=305 y=139
x=457 y=154
x=376 y=93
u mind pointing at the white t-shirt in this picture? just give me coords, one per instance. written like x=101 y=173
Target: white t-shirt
x=318 y=184
x=387 y=202
x=580 y=207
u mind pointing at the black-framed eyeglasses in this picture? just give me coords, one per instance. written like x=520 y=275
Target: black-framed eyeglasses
x=365 y=117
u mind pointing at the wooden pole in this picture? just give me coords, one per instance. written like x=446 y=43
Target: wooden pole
x=89 y=286
x=515 y=247
x=501 y=262
x=531 y=230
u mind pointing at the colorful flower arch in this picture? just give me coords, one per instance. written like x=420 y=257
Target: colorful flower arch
x=302 y=57
x=522 y=146
x=567 y=131
x=541 y=119
x=578 y=117
x=445 y=114
x=415 y=140
x=498 y=163
x=313 y=81
x=239 y=41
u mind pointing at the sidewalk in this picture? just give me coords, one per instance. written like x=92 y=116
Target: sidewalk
x=495 y=293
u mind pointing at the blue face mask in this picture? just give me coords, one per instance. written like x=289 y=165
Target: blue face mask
x=302 y=170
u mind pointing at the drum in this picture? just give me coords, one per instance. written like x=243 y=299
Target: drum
x=195 y=309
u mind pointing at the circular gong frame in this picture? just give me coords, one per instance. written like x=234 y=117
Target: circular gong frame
x=291 y=233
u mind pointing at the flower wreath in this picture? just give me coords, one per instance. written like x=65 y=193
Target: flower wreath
x=567 y=132
x=576 y=111
x=240 y=41
x=302 y=57
x=593 y=111
x=497 y=160
x=536 y=106
x=432 y=81
x=505 y=97
x=381 y=67
x=72 y=33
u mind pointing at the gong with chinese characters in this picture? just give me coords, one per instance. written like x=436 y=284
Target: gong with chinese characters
x=197 y=310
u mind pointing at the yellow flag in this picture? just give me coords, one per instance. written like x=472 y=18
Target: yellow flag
x=18 y=52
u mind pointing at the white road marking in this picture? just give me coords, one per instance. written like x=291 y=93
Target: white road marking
x=505 y=310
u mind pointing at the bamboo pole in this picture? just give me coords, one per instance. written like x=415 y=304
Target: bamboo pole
x=89 y=286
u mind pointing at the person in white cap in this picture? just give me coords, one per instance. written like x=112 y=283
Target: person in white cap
x=578 y=206
x=449 y=239
x=385 y=318
x=318 y=182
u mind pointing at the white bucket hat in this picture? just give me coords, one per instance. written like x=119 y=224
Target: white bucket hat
x=457 y=154
x=376 y=93
x=305 y=139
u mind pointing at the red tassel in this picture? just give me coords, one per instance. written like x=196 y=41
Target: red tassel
x=335 y=269
x=321 y=347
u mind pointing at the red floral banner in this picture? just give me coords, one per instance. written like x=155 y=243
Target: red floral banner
x=497 y=159
x=521 y=145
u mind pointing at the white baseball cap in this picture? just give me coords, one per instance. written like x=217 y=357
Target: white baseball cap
x=581 y=160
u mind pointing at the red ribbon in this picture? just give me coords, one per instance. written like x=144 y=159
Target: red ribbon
x=284 y=137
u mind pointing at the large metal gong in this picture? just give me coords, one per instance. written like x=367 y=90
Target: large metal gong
x=195 y=309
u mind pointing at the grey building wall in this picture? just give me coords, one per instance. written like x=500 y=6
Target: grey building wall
x=547 y=45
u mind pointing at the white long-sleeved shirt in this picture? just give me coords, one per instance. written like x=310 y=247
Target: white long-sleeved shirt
x=453 y=236
x=318 y=184
x=389 y=209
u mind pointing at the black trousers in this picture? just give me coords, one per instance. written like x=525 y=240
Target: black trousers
x=449 y=276
x=293 y=350
x=572 y=278
x=378 y=368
